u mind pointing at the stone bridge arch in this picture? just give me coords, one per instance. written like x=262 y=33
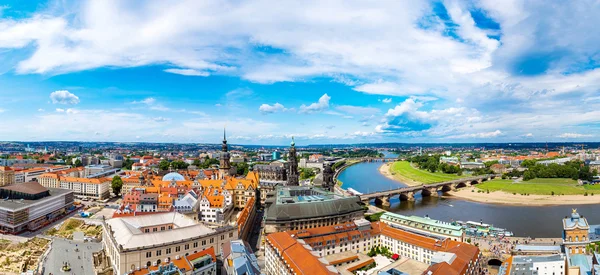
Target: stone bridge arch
x=460 y=185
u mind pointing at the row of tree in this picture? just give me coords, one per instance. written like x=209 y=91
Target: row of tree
x=572 y=169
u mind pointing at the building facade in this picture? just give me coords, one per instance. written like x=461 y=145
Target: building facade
x=575 y=233
x=149 y=240
x=31 y=206
x=302 y=207
x=425 y=226
x=7 y=176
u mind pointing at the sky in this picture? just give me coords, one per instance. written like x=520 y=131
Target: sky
x=321 y=71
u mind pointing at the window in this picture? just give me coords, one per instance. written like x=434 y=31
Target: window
x=187 y=246
x=148 y=254
x=146 y=230
x=212 y=240
x=222 y=237
x=154 y=229
x=177 y=248
x=203 y=242
x=195 y=244
x=230 y=234
x=168 y=251
x=158 y=252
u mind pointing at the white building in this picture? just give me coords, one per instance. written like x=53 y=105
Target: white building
x=142 y=241
x=215 y=205
x=538 y=265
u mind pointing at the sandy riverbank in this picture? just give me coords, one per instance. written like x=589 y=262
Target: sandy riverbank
x=499 y=197
x=385 y=169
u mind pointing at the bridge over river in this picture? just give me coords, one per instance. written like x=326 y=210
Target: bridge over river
x=408 y=193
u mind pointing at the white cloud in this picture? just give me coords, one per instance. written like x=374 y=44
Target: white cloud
x=187 y=72
x=2 y=110
x=59 y=110
x=63 y=97
x=480 y=135
x=528 y=135
x=357 y=110
x=147 y=101
x=387 y=100
x=573 y=135
x=160 y=119
x=40 y=110
x=321 y=105
x=152 y=104
x=269 y=109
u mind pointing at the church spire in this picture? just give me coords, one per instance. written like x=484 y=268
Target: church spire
x=224 y=135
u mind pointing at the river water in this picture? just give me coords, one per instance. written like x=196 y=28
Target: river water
x=532 y=221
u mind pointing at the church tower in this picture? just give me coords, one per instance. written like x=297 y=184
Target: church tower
x=292 y=179
x=328 y=181
x=224 y=166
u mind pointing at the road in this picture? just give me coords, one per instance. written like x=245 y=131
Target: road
x=77 y=254
x=255 y=237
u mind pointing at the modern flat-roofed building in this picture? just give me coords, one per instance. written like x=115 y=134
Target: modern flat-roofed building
x=301 y=207
x=151 y=239
x=30 y=206
x=424 y=226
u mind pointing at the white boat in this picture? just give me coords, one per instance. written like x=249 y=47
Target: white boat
x=354 y=192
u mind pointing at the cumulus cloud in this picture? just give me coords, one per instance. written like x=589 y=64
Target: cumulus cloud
x=386 y=100
x=269 y=109
x=573 y=135
x=319 y=106
x=63 y=97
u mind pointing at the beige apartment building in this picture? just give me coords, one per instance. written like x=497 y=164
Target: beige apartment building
x=7 y=176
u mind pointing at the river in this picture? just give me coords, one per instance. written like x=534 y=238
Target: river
x=533 y=221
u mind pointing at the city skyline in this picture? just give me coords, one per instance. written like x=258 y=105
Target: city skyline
x=335 y=72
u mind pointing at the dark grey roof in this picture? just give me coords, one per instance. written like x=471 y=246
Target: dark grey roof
x=306 y=210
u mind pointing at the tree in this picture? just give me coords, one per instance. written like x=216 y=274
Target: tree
x=164 y=165
x=116 y=184
x=128 y=163
x=528 y=175
x=306 y=173
x=241 y=168
x=78 y=163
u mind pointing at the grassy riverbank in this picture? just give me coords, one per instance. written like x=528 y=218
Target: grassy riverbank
x=402 y=170
x=539 y=186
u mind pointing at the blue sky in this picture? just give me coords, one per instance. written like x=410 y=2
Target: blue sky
x=324 y=72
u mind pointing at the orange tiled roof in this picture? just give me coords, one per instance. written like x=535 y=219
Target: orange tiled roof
x=83 y=180
x=299 y=259
x=209 y=251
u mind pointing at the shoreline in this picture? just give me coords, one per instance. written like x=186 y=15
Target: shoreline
x=385 y=170
x=503 y=198
x=497 y=197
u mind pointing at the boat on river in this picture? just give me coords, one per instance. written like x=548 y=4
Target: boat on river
x=480 y=229
x=354 y=192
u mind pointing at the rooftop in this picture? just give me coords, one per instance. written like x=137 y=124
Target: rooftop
x=302 y=202
x=127 y=231
x=13 y=205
